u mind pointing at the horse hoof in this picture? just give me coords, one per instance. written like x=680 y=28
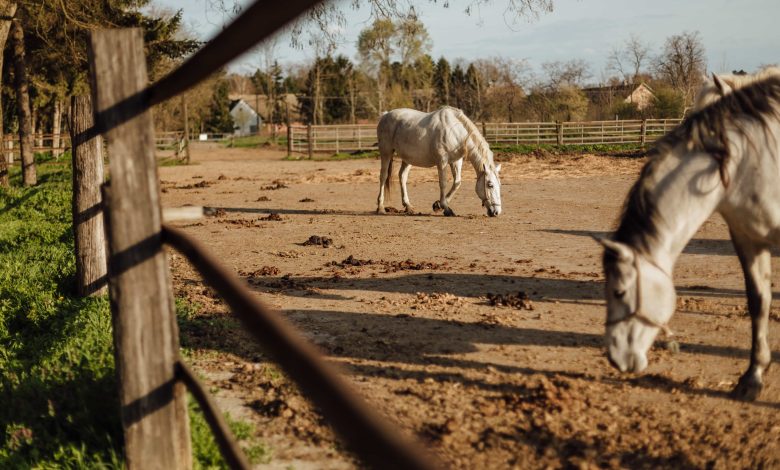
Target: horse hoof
x=448 y=212
x=409 y=209
x=748 y=388
x=672 y=346
x=380 y=210
x=436 y=206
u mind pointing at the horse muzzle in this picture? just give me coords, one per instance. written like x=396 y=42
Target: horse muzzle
x=494 y=211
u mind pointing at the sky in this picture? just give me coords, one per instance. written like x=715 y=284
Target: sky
x=737 y=34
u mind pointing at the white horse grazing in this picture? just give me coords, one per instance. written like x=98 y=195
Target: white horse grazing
x=725 y=157
x=442 y=138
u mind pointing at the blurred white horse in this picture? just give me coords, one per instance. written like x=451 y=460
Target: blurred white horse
x=722 y=85
x=725 y=158
x=442 y=138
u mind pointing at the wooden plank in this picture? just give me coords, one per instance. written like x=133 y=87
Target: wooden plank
x=153 y=403
x=88 y=231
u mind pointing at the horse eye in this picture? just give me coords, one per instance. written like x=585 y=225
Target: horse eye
x=619 y=294
x=490 y=185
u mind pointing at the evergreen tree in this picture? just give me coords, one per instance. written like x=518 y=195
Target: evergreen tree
x=219 y=119
x=441 y=81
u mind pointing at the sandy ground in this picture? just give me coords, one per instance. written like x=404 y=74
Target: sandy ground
x=483 y=386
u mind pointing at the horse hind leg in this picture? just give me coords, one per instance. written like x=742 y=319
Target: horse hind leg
x=384 y=178
x=403 y=177
x=756 y=265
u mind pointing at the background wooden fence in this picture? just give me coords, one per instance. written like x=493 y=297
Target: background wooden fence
x=354 y=138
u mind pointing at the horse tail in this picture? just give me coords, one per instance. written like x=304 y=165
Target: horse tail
x=389 y=179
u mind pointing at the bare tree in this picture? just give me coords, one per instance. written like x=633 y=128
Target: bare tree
x=559 y=74
x=629 y=59
x=683 y=63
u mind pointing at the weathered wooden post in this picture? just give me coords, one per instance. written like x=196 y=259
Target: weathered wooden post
x=186 y=129
x=56 y=129
x=289 y=139
x=153 y=403
x=643 y=130
x=88 y=231
x=559 y=132
x=309 y=141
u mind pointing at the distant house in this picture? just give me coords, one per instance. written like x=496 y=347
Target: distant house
x=641 y=95
x=245 y=120
x=287 y=104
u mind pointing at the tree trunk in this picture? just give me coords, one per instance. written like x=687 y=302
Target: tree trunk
x=56 y=128
x=87 y=201
x=7 y=11
x=29 y=176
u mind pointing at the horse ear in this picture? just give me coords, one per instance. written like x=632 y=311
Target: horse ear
x=721 y=85
x=498 y=168
x=621 y=250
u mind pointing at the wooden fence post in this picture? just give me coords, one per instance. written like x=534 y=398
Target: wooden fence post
x=559 y=132
x=309 y=141
x=289 y=140
x=88 y=231
x=643 y=137
x=153 y=403
x=186 y=129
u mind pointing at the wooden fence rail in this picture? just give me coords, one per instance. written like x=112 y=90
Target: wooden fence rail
x=354 y=138
x=151 y=375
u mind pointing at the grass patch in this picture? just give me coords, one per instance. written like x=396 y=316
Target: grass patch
x=360 y=155
x=253 y=141
x=60 y=406
x=57 y=379
x=597 y=149
x=205 y=449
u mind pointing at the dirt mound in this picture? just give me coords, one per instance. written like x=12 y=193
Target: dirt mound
x=521 y=301
x=317 y=240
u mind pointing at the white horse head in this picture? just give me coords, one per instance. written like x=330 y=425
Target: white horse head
x=489 y=188
x=640 y=301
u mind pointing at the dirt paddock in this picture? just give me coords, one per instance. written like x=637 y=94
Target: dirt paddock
x=481 y=337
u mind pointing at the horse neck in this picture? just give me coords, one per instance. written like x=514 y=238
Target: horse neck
x=478 y=161
x=686 y=190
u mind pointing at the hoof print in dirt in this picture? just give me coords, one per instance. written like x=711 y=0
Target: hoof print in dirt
x=306 y=199
x=392 y=210
x=263 y=199
x=436 y=206
x=521 y=301
x=273 y=217
x=316 y=240
x=275 y=184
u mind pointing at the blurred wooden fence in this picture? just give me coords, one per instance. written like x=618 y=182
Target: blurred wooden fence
x=308 y=140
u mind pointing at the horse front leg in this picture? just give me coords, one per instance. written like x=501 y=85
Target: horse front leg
x=403 y=177
x=756 y=265
x=456 y=171
x=442 y=202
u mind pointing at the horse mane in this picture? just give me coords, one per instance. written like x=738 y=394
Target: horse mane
x=710 y=92
x=476 y=137
x=706 y=131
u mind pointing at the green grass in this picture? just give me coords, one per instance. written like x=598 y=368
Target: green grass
x=58 y=396
x=599 y=149
x=364 y=154
x=253 y=141
x=57 y=380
